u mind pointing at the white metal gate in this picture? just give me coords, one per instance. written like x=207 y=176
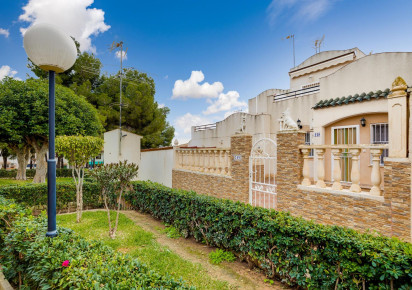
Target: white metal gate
x=262 y=173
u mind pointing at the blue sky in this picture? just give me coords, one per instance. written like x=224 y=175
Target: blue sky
x=234 y=48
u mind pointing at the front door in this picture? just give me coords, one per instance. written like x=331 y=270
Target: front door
x=345 y=135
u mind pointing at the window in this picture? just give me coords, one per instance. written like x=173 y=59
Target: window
x=307 y=142
x=380 y=135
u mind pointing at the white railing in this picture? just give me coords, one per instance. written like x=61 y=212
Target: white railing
x=353 y=152
x=207 y=160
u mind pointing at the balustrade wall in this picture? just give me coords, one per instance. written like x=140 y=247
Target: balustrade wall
x=206 y=160
x=352 y=152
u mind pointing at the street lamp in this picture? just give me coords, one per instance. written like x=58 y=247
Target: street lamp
x=53 y=51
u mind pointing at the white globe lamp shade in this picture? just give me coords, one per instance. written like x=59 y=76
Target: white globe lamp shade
x=49 y=48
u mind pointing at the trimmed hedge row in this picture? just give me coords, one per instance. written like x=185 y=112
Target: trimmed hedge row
x=296 y=251
x=26 y=254
x=60 y=172
x=36 y=194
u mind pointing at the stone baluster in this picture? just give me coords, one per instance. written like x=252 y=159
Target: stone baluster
x=306 y=170
x=320 y=152
x=207 y=161
x=221 y=163
x=202 y=160
x=216 y=158
x=376 y=173
x=192 y=160
x=182 y=154
x=184 y=158
x=199 y=158
x=337 y=171
x=355 y=174
x=177 y=164
x=189 y=160
x=212 y=161
x=229 y=162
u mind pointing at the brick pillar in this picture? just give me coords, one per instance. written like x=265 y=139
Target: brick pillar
x=240 y=147
x=397 y=184
x=289 y=167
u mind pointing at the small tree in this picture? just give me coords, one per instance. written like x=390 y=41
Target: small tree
x=78 y=150
x=114 y=179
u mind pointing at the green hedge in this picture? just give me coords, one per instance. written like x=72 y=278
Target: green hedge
x=60 y=172
x=36 y=194
x=296 y=251
x=25 y=250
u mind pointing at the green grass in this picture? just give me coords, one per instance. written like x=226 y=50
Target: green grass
x=4 y=182
x=140 y=244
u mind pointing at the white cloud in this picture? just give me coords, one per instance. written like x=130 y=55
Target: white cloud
x=6 y=71
x=225 y=102
x=307 y=10
x=191 y=88
x=72 y=16
x=159 y=105
x=184 y=123
x=4 y=32
x=118 y=53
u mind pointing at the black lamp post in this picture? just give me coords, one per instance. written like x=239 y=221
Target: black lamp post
x=53 y=51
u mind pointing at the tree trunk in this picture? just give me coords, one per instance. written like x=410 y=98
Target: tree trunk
x=21 y=160
x=4 y=161
x=41 y=163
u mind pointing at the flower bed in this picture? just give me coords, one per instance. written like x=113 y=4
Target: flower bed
x=31 y=259
x=296 y=251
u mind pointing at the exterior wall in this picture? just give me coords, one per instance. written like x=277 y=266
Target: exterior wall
x=234 y=187
x=256 y=125
x=389 y=214
x=156 y=165
x=365 y=138
x=130 y=149
x=369 y=73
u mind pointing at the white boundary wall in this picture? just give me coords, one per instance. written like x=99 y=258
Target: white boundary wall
x=157 y=165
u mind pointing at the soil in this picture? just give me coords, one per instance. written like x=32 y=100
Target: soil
x=237 y=274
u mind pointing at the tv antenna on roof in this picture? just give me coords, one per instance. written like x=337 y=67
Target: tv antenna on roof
x=118 y=46
x=318 y=43
x=292 y=36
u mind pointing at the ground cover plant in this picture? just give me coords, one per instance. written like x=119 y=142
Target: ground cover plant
x=218 y=256
x=138 y=243
x=7 y=181
x=291 y=249
x=31 y=260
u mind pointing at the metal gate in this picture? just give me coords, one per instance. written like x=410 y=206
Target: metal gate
x=262 y=173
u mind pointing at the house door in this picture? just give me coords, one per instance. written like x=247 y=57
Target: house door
x=345 y=135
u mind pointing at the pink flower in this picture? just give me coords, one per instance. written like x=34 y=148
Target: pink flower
x=66 y=263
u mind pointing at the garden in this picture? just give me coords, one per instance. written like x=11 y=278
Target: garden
x=297 y=252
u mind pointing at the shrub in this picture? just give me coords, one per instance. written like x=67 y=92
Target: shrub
x=218 y=256
x=68 y=261
x=296 y=251
x=36 y=194
x=60 y=172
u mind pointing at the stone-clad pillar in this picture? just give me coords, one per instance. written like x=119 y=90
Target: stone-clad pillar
x=289 y=166
x=240 y=148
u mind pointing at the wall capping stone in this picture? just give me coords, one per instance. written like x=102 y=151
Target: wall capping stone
x=347 y=192
x=202 y=173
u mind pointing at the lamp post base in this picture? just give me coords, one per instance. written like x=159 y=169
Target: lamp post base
x=52 y=234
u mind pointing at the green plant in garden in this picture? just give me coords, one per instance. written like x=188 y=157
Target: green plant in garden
x=24 y=120
x=30 y=260
x=172 y=232
x=78 y=150
x=114 y=178
x=298 y=252
x=218 y=256
x=35 y=195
